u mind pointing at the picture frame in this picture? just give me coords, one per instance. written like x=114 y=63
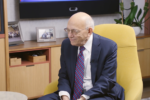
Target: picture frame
x=15 y=34
x=46 y=34
x=1 y=17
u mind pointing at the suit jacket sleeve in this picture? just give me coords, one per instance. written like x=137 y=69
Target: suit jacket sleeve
x=107 y=79
x=63 y=84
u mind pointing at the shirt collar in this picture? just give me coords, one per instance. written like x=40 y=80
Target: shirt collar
x=88 y=44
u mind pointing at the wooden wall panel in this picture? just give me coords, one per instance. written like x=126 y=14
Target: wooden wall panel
x=140 y=43
x=147 y=43
x=147 y=23
x=144 y=59
x=143 y=43
x=147 y=62
x=6 y=43
x=2 y=66
x=55 y=62
x=141 y=61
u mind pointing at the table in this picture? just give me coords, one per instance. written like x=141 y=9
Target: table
x=7 y=95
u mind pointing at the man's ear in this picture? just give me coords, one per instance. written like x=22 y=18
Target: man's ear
x=90 y=30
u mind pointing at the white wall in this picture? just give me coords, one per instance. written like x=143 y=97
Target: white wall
x=28 y=26
x=140 y=4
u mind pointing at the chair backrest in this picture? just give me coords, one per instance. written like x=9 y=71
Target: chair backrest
x=128 y=69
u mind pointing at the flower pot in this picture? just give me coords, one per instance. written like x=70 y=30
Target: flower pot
x=137 y=30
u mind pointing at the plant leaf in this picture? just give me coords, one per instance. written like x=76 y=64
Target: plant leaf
x=118 y=21
x=139 y=13
x=133 y=13
x=132 y=4
x=135 y=22
x=126 y=20
x=145 y=12
x=121 y=6
x=146 y=5
x=131 y=16
x=140 y=26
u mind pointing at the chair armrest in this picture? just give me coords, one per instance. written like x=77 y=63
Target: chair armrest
x=135 y=90
x=51 y=88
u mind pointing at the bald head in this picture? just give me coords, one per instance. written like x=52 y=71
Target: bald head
x=82 y=19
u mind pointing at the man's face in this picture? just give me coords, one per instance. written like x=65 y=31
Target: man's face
x=77 y=34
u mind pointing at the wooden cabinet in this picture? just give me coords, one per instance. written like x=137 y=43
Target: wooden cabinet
x=143 y=45
x=30 y=80
x=2 y=66
x=55 y=62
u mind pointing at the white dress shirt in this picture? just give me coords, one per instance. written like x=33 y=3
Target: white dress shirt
x=87 y=81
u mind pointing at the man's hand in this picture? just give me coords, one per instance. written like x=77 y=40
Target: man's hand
x=81 y=98
x=64 y=97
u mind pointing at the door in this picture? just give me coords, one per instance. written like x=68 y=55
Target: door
x=30 y=80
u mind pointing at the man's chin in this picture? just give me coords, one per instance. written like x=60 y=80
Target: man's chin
x=73 y=44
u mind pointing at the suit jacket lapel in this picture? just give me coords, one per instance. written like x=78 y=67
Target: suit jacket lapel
x=96 y=48
x=94 y=57
x=74 y=51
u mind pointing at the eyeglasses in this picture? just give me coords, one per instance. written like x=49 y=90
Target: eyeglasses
x=73 y=31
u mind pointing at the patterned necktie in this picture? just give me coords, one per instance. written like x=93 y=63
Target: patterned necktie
x=79 y=72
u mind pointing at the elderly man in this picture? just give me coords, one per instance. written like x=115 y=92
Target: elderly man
x=88 y=64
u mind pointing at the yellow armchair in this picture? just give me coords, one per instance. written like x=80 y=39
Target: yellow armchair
x=128 y=69
x=51 y=88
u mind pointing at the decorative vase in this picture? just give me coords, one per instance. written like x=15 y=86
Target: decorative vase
x=137 y=30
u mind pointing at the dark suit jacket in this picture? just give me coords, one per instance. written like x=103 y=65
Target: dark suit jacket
x=103 y=68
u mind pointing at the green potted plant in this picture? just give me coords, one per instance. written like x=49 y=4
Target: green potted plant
x=133 y=19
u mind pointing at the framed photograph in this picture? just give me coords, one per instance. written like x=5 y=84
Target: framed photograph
x=14 y=33
x=1 y=17
x=46 y=34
